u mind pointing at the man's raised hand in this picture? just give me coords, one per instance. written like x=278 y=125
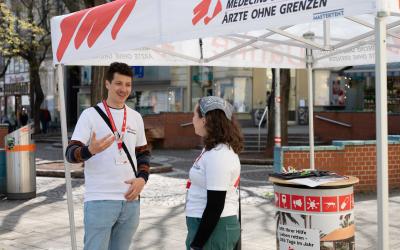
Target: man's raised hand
x=97 y=146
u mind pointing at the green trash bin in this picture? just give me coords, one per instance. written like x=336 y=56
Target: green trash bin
x=3 y=171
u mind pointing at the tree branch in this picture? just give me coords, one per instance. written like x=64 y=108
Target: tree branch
x=25 y=4
x=43 y=56
x=72 y=5
x=5 y=67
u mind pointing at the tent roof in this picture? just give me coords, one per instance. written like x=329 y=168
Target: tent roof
x=257 y=34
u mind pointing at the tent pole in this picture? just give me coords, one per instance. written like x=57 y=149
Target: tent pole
x=66 y=164
x=310 y=106
x=327 y=33
x=278 y=140
x=381 y=130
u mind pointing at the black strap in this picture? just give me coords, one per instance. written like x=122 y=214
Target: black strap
x=105 y=118
x=239 y=243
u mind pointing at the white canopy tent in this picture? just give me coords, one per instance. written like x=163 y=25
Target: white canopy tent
x=239 y=33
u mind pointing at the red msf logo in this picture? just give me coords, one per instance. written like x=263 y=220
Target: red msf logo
x=93 y=24
x=202 y=9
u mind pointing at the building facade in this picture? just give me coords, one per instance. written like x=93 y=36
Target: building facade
x=158 y=89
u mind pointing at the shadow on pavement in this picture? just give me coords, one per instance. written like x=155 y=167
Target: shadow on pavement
x=51 y=196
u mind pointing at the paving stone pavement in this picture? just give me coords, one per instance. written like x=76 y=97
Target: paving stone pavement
x=42 y=223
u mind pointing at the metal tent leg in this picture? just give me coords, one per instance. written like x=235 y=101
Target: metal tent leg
x=381 y=131
x=67 y=166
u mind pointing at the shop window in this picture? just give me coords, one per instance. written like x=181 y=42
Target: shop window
x=393 y=94
x=393 y=98
x=86 y=75
x=202 y=79
x=237 y=91
x=155 y=73
x=83 y=100
x=156 y=101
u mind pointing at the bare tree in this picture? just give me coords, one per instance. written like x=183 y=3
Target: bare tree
x=38 y=12
x=73 y=5
x=4 y=66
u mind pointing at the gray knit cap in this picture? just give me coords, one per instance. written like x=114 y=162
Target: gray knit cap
x=209 y=103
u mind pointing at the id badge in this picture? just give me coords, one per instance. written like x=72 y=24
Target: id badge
x=121 y=159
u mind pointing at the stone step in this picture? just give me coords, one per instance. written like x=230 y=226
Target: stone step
x=255 y=143
x=249 y=161
x=254 y=136
x=253 y=147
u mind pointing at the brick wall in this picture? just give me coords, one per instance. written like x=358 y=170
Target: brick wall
x=362 y=126
x=168 y=130
x=348 y=158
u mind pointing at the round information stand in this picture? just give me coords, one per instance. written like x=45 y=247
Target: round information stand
x=314 y=218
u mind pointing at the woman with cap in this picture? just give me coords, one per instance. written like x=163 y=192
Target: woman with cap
x=212 y=197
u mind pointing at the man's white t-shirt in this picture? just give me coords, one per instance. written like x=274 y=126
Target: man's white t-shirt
x=104 y=178
x=217 y=169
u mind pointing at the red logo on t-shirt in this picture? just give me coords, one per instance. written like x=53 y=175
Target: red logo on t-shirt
x=313 y=203
x=344 y=202
x=201 y=10
x=298 y=202
x=284 y=201
x=329 y=204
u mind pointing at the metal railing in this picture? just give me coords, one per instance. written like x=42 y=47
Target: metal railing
x=265 y=114
x=333 y=121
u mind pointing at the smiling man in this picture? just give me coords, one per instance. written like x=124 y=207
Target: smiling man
x=110 y=139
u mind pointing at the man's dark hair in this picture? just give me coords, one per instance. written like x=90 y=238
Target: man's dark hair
x=120 y=68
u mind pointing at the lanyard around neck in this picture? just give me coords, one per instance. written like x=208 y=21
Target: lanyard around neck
x=118 y=138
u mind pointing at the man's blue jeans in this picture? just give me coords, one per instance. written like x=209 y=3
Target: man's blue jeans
x=110 y=224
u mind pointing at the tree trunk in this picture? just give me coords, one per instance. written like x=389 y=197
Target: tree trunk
x=284 y=89
x=98 y=87
x=72 y=5
x=35 y=91
x=271 y=120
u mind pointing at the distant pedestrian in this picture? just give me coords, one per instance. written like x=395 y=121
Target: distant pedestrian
x=23 y=117
x=212 y=198
x=110 y=139
x=45 y=118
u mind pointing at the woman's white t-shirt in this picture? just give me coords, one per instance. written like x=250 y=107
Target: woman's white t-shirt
x=217 y=169
x=104 y=179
